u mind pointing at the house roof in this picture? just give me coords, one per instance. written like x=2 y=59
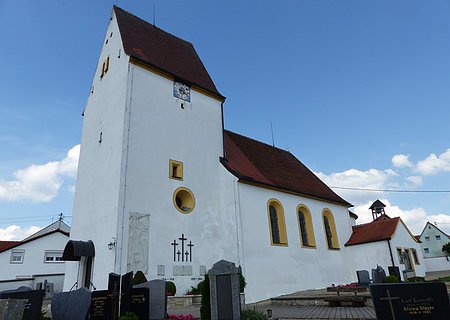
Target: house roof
x=434 y=226
x=161 y=50
x=57 y=226
x=262 y=164
x=378 y=230
x=5 y=245
x=352 y=215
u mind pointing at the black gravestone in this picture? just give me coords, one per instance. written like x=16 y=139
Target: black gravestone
x=64 y=304
x=224 y=297
x=114 y=292
x=395 y=271
x=34 y=302
x=139 y=303
x=101 y=307
x=363 y=277
x=378 y=275
x=411 y=301
x=127 y=285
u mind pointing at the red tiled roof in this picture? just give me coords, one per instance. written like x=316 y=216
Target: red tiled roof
x=256 y=162
x=5 y=245
x=374 y=231
x=161 y=50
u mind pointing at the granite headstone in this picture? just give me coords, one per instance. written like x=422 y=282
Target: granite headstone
x=127 y=285
x=363 y=277
x=140 y=303
x=157 y=298
x=65 y=303
x=224 y=291
x=114 y=294
x=12 y=309
x=395 y=271
x=34 y=300
x=101 y=306
x=411 y=301
x=378 y=275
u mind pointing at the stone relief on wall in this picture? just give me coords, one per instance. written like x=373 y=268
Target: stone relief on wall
x=138 y=242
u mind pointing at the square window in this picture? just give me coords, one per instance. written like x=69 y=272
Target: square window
x=17 y=256
x=175 y=170
x=427 y=238
x=426 y=250
x=53 y=256
x=438 y=237
x=400 y=256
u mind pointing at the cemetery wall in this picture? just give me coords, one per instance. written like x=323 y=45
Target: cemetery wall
x=437 y=264
x=96 y=200
x=161 y=130
x=271 y=270
x=368 y=255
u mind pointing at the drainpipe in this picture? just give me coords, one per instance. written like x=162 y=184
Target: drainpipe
x=390 y=251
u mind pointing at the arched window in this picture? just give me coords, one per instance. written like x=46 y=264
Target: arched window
x=305 y=227
x=330 y=229
x=277 y=224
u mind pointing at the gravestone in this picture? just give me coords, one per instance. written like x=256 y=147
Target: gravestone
x=101 y=307
x=140 y=303
x=34 y=300
x=224 y=291
x=114 y=294
x=127 y=285
x=411 y=301
x=378 y=275
x=363 y=277
x=64 y=304
x=395 y=271
x=12 y=309
x=157 y=298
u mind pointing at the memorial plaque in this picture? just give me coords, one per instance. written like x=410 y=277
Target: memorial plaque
x=101 y=308
x=224 y=297
x=34 y=302
x=140 y=303
x=411 y=301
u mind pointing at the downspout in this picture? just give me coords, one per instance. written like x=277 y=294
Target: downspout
x=223 y=129
x=390 y=251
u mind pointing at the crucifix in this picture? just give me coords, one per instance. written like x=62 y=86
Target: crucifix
x=182 y=239
x=190 y=245
x=389 y=298
x=187 y=255
x=174 y=244
x=178 y=254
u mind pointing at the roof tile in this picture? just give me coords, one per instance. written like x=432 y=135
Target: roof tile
x=374 y=231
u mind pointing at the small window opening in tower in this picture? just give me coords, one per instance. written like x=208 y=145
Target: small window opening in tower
x=184 y=200
x=182 y=106
x=101 y=137
x=175 y=170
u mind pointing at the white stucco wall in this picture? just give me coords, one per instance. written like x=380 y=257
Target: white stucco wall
x=33 y=265
x=433 y=245
x=161 y=130
x=97 y=194
x=274 y=270
x=437 y=264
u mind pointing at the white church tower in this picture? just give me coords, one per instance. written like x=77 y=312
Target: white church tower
x=149 y=178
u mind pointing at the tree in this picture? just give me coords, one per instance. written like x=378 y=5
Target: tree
x=446 y=248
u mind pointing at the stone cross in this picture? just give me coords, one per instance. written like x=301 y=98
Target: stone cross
x=389 y=298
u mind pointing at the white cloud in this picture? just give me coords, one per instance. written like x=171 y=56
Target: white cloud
x=14 y=232
x=40 y=183
x=434 y=164
x=353 y=178
x=415 y=218
x=401 y=161
x=415 y=180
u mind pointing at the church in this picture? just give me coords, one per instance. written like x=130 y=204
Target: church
x=164 y=189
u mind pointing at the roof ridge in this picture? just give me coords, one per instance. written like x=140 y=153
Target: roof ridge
x=374 y=221
x=265 y=143
x=150 y=25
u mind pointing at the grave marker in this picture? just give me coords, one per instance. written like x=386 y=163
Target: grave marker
x=33 y=305
x=64 y=304
x=101 y=307
x=157 y=298
x=411 y=301
x=12 y=309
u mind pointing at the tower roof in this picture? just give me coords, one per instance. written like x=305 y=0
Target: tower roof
x=377 y=204
x=161 y=50
x=262 y=164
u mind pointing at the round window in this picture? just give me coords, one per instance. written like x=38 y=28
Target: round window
x=184 y=200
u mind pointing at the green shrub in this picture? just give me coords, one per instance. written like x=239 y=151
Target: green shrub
x=416 y=279
x=171 y=288
x=129 y=316
x=139 y=278
x=446 y=248
x=392 y=279
x=253 y=315
x=242 y=283
x=205 y=308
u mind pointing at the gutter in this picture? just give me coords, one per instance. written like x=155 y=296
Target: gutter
x=390 y=251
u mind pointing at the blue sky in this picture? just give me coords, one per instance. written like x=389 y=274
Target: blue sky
x=357 y=90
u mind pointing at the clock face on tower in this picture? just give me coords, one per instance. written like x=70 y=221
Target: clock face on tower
x=181 y=91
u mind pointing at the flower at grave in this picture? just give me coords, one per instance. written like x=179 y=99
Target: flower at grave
x=181 y=316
